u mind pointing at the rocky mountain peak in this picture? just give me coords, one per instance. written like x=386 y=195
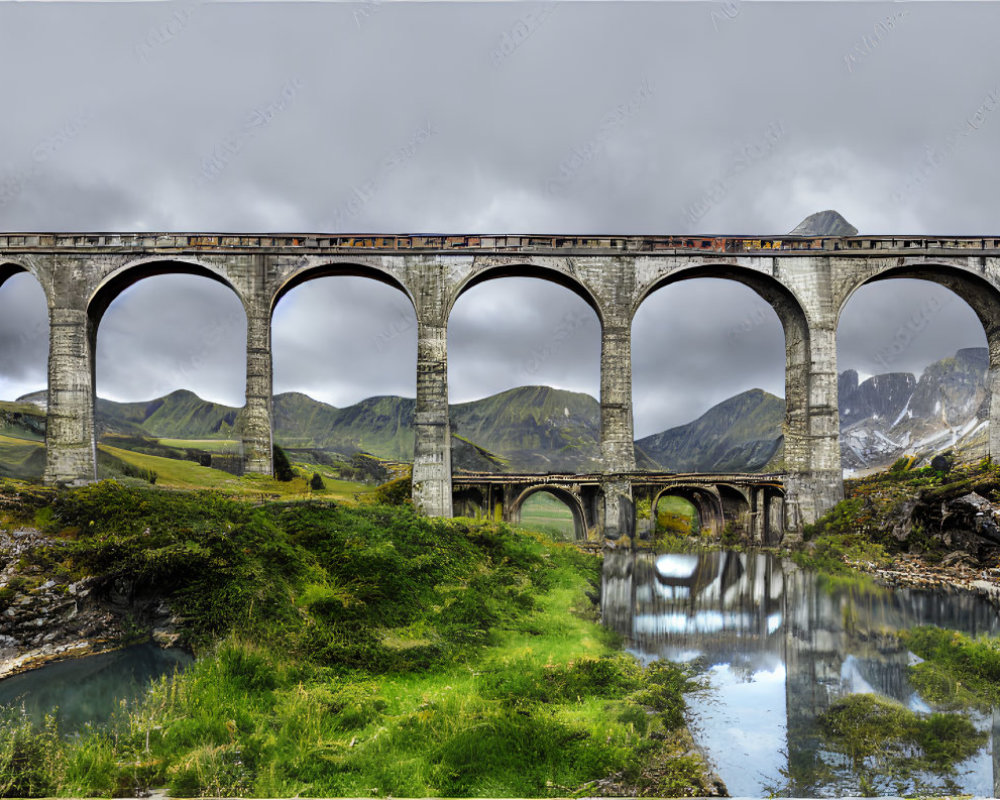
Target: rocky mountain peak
x=824 y=223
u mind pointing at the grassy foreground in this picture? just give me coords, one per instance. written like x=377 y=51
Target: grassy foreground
x=354 y=652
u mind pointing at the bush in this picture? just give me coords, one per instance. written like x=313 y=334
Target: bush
x=282 y=468
x=396 y=492
x=316 y=484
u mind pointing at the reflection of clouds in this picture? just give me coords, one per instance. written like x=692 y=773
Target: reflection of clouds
x=741 y=725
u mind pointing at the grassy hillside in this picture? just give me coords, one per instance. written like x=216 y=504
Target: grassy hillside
x=178 y=474
x=351 y=653
x=22 y=421
x=21 y=458
x=536 y=427
x=379 y=425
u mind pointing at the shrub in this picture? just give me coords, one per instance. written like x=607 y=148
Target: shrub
x=282 y=467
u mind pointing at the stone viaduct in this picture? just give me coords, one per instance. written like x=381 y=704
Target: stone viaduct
x=806 y=280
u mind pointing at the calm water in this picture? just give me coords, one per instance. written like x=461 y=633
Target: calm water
x=779 y=645
x=89 y=689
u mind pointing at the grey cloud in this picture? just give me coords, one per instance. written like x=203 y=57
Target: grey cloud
x=173 y=332
x=24 y=340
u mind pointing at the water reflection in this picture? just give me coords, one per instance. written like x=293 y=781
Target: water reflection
x=89 y=689
x=780 y=646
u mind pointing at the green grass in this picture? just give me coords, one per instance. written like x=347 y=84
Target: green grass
x=179 y=474
x=355 y=652
x=544 y=512
x=208 y=445
x=894 y=750
x=676 y=516
x=21 y=458
x=958 y=671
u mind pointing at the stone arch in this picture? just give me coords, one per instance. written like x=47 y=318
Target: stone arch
x=570 y=499
x=326 y=269
x=542 y=353
x=735 y=502
x=981 y=294
x=29 y=345
x=121 y=279
x=526 y=269
x=795 y=323
x=705 y=500
x=8 y=269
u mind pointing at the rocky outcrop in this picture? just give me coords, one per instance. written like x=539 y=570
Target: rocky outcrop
x=954 y=520
x=44 y=619
x=879 y=397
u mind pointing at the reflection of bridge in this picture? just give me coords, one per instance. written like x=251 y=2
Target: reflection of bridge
x=752 y=503
x=807 y=281
x=752 y=610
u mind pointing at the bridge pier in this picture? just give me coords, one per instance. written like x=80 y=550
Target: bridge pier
x=617 y=436
x=432 y=490
x=814 y=482
x=70 y=449
x=256 y=417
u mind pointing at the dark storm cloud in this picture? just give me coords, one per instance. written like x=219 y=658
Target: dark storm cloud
x=555 y=117
x=694 y=344
x=173 y=332
x=522 y=332
x=343 y=339
x=24 y=338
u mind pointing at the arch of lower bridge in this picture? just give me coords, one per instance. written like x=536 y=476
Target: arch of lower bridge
x=568 y=497
x=705 y=499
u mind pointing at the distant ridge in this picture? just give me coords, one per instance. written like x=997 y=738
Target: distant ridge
x=541 y=429
x=741 y=434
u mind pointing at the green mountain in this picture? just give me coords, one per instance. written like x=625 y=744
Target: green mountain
x=530 y=428
x=740 y=434
x=540 y=429
x=178 y=415
x=379 y=425
x=536 y=428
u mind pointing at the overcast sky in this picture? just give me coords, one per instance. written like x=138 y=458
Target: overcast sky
x=737 y=117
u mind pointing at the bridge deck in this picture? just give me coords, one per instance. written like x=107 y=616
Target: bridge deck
x=500 y=243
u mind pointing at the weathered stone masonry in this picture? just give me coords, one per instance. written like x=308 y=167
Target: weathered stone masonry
x=807 y=281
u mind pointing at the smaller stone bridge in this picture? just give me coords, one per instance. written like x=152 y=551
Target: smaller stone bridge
x=753 y=504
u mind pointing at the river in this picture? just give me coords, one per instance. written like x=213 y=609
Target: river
x=777 y=646
x=89 y=690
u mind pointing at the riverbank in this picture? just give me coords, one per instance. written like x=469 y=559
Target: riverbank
x=346 y=652
x=926 y=528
